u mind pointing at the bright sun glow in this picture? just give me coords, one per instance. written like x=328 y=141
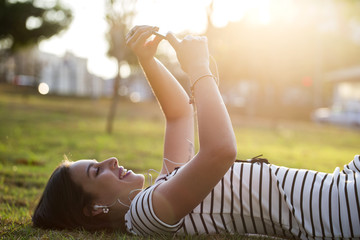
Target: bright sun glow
x=235 y=10
x=86 y=35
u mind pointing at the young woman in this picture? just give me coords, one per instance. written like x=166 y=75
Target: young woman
x=208 y=193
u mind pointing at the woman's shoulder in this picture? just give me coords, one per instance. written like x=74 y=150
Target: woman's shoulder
x=141 y=218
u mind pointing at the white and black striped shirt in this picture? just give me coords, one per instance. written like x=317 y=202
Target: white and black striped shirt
x=265 y=199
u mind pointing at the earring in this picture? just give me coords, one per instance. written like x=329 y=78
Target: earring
x=105 y=210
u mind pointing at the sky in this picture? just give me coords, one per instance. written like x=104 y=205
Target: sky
x=86 y=36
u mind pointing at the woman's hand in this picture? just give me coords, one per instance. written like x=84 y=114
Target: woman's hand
x=138 y=41
x=192 y=53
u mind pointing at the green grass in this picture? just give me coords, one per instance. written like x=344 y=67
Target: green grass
x=36 y=131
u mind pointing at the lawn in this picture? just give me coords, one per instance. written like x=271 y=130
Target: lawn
x=36 y=131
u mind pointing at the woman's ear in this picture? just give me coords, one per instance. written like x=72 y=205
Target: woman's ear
x=92 y=211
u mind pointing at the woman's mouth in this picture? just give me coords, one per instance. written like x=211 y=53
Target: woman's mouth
x=123 y=173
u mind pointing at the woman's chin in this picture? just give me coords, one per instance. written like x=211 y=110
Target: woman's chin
x=133 y=177
x=142 y=179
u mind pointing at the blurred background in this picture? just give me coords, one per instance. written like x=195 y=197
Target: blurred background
x=297 y=59
x=69 y=85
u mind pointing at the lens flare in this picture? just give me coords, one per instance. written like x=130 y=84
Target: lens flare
x=43 y=88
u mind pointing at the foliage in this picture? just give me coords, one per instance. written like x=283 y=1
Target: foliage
x=37 y=130
x=119 y=15
x=25 y=23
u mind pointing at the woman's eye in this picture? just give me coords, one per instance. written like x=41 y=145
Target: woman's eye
x=97 y=171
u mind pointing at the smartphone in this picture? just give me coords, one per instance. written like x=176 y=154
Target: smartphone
x=162 y=35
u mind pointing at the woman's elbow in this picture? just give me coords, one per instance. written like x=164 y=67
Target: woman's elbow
x=230 y=147
x=231 y=152
x=227 y=152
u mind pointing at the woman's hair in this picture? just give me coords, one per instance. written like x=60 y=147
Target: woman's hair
x=62 y=202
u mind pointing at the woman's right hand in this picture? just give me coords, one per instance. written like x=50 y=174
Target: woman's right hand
x=192 y=53
x=138 y=41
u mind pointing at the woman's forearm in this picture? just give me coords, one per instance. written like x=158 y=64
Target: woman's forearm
x=215 y=129
x=214 y=124
x=170 y=94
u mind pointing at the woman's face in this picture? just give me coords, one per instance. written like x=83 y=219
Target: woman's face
x=106 y=180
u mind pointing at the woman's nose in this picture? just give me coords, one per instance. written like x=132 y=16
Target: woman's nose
x=112 y=162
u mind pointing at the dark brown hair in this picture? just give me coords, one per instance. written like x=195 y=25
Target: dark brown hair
x=62 y=202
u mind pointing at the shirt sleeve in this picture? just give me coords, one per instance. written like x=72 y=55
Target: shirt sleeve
x=354 y=165
x=141 y=219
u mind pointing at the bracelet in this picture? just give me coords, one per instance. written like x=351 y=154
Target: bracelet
x=191 y=101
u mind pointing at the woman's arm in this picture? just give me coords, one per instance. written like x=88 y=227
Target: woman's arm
x=175 y=198
x=173 y=100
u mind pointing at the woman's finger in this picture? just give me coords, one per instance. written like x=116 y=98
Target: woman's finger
x=156 y=40
x=136 y=31
x=174 y=42
x=132 y=31
x=142 y=38
x=135 y=28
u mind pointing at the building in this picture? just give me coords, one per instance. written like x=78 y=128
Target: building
x=68 y=75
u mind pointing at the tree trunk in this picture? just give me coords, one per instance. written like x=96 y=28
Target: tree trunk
x=113 y=106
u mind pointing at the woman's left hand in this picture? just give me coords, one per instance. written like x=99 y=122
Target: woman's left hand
x=138 y=41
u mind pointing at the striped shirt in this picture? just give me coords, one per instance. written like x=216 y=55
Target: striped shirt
x=257 y=198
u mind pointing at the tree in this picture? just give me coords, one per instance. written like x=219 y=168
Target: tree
x=25 y=23
x=120 y=14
